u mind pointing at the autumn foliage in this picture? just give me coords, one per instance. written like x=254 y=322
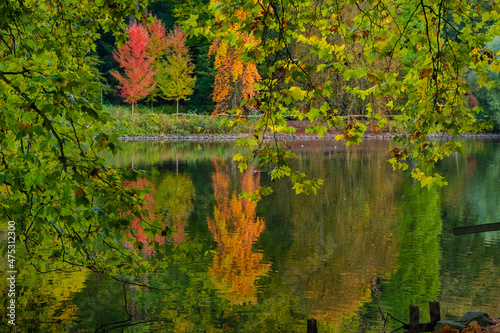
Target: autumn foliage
x=175 y=80
x=236 y=227
x=235 y=78
x=133 y=57
x=158 y=42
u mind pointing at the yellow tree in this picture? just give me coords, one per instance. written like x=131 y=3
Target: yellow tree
x=174 y=202
x=175 y=79
x=157 y=49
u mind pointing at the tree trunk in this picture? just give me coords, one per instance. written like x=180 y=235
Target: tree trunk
x=177 y=109
x=132 y=110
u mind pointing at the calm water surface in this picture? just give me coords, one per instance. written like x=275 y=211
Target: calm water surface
x=370 y=240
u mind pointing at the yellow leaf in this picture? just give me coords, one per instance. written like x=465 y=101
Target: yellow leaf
x=474 y=327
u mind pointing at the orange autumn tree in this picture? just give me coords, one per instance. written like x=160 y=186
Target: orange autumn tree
x=235 y=78
x=236 y=228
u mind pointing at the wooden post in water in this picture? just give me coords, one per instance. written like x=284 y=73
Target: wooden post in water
x=435 y=312
x=414 y=314
x=415 y=326
x=311 y=326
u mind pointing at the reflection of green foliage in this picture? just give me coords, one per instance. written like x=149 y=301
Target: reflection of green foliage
x=101 y=302
x=174 y=200
x=149 y=154
x=275 y=312
x=474 y=181
x=417 y=280
x=44 y=302
x=471 y=262
x=190 y=303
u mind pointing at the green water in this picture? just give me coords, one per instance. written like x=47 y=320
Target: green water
x=370 y=240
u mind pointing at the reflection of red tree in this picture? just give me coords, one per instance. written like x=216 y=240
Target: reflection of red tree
x=150 y=201
x=235 y=227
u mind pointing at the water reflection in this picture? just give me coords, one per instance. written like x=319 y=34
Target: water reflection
x=416 y=280
x=236 y=227
x=137 y=234
x=174 y=202
x=344 y=239
x=370 y=238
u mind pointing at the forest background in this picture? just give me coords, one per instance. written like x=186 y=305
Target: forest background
x=169 y=14
x=206 y=95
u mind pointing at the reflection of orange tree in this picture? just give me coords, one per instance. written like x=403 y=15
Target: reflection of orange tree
x=235 y=227
x=139 y=234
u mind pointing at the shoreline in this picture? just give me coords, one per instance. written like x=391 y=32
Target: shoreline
x=289 y=137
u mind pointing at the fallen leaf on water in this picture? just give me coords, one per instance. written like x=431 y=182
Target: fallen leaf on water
x=473 y=328
x=448 y=329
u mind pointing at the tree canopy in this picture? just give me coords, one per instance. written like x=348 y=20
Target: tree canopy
x=135 y=57
x=175 y=80
x=71 y=209
x=319 y=57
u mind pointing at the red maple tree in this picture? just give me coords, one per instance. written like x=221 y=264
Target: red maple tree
x=133 y=57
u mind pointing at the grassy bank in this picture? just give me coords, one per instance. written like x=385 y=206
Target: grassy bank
x=145 y=122
x=160 y=121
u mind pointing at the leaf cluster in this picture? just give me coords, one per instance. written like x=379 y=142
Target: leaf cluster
x=71 y=209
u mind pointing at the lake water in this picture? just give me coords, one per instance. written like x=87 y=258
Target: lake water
x=370 y=242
